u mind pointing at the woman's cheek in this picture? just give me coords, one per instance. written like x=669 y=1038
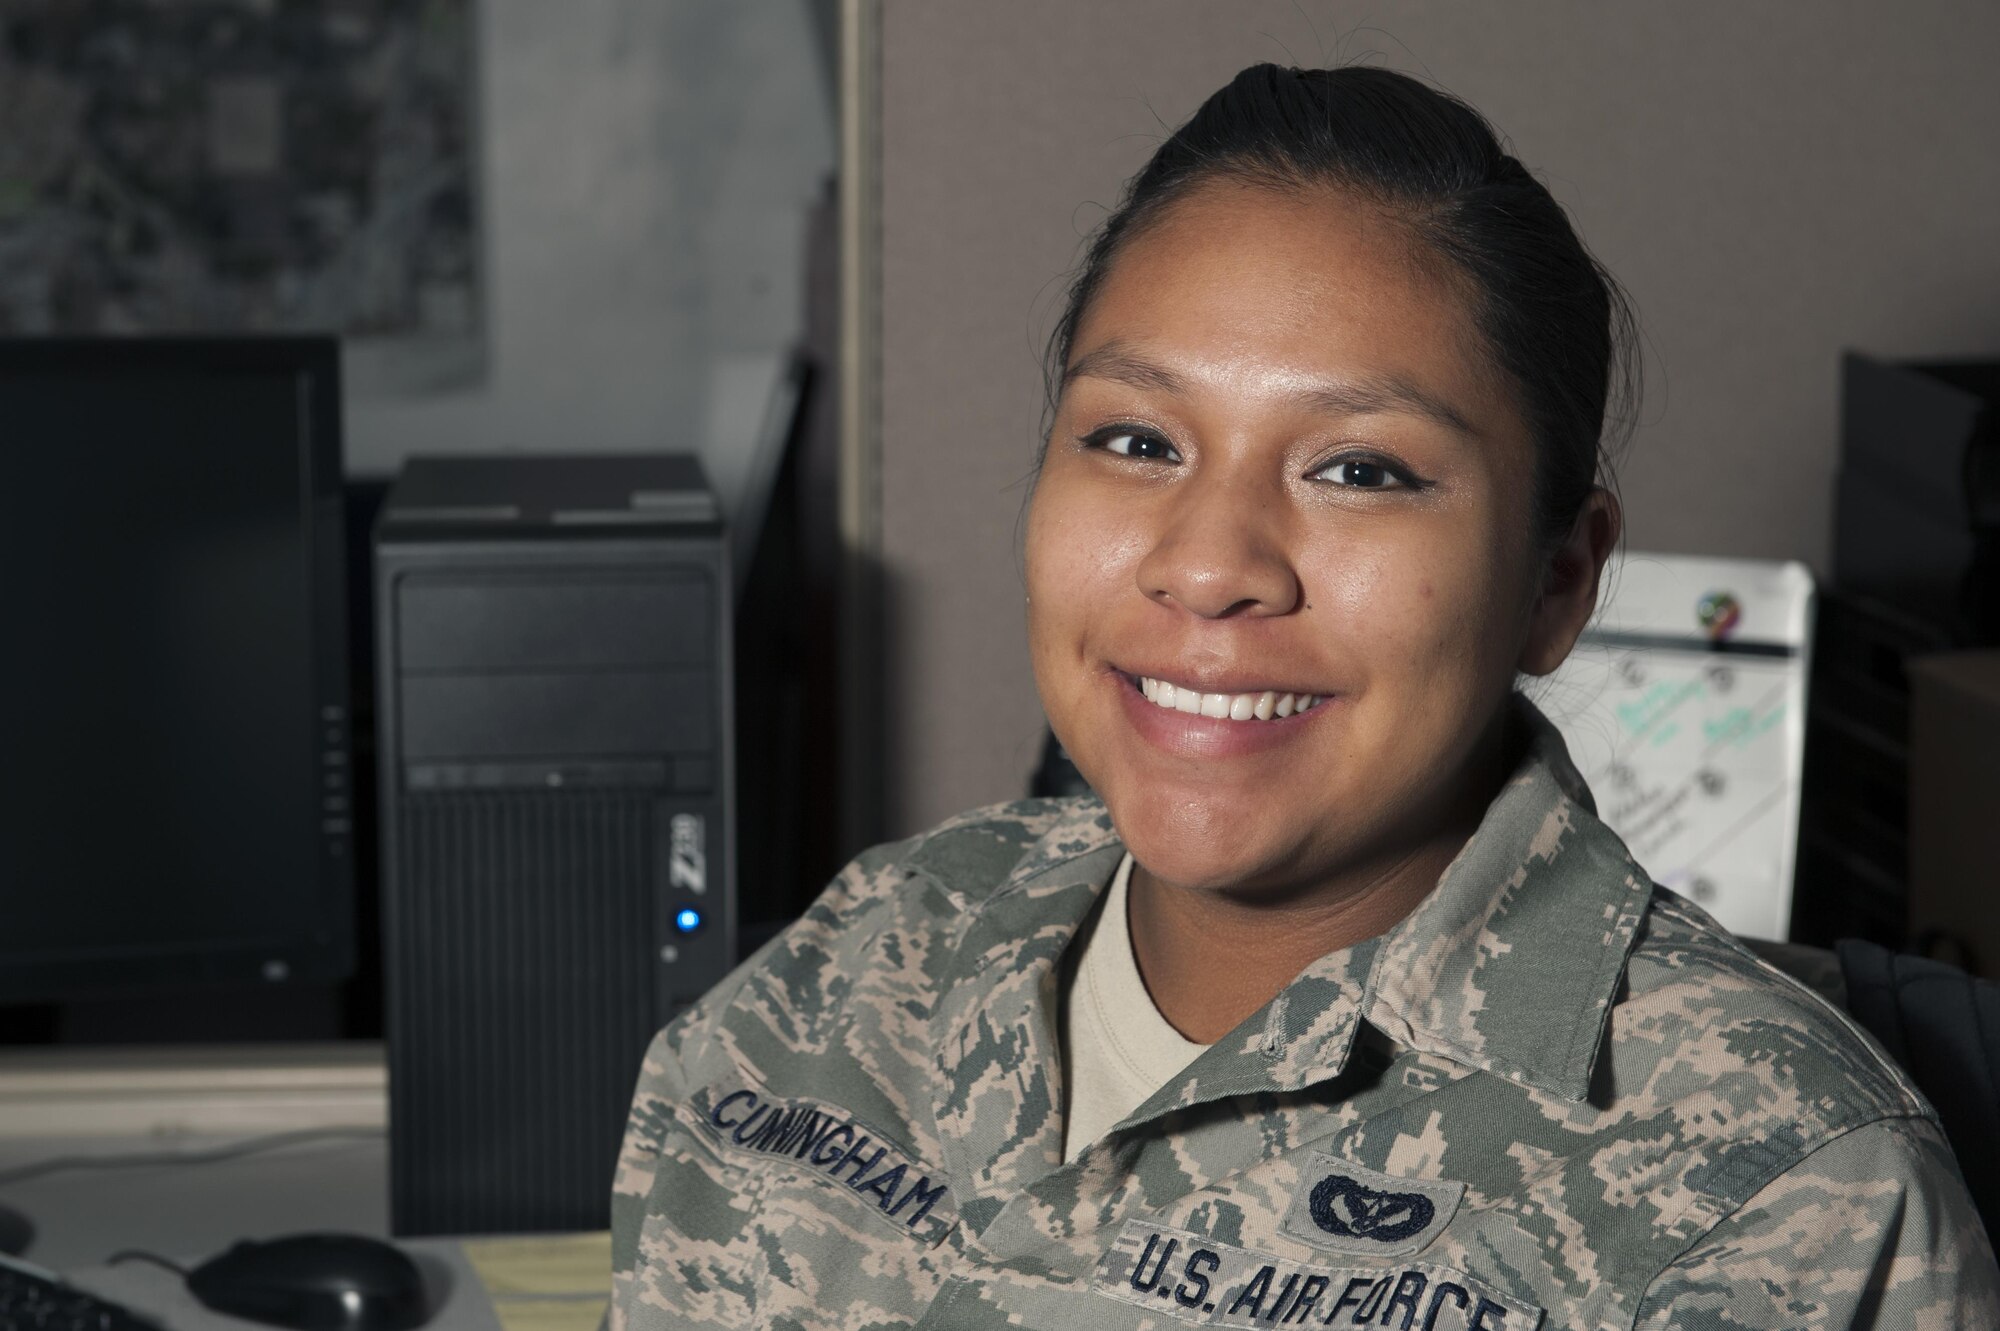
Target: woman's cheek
x=1083 y=553
x=1351 y=587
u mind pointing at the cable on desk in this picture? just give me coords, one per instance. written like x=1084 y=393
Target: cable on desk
x=137 y=1255
x=139 y=1159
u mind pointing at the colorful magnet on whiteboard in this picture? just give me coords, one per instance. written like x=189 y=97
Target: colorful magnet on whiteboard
x=1719 y=614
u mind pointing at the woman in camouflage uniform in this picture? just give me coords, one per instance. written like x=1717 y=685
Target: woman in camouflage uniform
x=1341 y=1008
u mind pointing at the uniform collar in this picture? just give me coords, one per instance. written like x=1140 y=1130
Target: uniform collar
x=1509 y=966
x=995 y=1026
x=1512 y=963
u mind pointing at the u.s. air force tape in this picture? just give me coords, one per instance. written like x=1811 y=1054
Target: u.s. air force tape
x=830 y=1145
x=1183 y=1275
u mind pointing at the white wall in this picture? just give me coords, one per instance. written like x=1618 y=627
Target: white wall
x=646 y=169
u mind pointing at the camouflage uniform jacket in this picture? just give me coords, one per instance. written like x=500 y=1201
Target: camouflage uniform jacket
x=1553 y=1096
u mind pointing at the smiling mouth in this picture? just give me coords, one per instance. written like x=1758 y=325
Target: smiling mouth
x=1267 y=705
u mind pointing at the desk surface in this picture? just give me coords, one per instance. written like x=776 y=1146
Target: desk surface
x=454 y=1289
x=188 y=1212
x=83 y=1216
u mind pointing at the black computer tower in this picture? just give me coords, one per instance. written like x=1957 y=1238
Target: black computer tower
x=557 y=842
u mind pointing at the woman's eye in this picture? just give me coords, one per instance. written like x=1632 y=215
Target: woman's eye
x=1132 y=444
x=1363 y=474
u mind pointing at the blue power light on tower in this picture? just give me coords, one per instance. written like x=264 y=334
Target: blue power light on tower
x=687 y=919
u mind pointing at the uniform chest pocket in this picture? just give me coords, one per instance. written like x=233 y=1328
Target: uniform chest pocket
x=768 y=1209
x=698 y=1259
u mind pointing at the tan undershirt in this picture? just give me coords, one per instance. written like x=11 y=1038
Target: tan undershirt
x=1117 y=1048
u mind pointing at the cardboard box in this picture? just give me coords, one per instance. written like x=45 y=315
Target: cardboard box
x=1955 y=808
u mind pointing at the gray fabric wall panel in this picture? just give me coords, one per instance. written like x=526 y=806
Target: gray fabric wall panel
x=1772 y=182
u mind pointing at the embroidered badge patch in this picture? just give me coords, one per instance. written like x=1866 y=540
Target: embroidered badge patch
x=1194 y=1279
x=1344 y=1208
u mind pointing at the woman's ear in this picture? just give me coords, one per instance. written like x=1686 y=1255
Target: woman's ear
x=1569 y=584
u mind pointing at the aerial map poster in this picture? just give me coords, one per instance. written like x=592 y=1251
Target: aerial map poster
x=245 y=166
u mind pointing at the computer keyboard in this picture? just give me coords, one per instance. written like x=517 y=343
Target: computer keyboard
x=32 y=1299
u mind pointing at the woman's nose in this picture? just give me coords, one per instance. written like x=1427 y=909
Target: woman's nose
x=1221 y=553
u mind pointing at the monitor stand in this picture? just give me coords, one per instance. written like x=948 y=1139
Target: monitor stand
x=16 y=1231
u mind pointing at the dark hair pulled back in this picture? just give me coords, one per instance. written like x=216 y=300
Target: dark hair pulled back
x=1557 y=324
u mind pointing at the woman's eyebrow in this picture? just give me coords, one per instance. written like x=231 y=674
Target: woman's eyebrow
x=1116 y=362
x=1354 y=397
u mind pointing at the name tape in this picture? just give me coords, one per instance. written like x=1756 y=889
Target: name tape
x=834 y=1147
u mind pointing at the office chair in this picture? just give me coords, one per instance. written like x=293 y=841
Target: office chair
x=1941 y=1025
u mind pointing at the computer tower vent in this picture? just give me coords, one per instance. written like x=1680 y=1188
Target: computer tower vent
x=522 y=943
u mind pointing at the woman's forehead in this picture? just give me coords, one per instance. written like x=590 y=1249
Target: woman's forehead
x=1250 y=290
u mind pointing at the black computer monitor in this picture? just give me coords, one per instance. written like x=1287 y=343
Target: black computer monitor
x=174 y=786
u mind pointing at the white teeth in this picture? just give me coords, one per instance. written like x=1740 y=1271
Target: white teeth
x=1264 y=706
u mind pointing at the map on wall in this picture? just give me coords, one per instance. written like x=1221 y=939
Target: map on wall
x=244 y=166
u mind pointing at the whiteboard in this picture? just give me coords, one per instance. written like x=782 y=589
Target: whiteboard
x=1683 y=705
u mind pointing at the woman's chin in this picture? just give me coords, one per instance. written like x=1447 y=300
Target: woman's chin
x=1215 y=862
x=1198 y=834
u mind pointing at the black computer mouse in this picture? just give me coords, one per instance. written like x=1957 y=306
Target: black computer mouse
x=315 y=1282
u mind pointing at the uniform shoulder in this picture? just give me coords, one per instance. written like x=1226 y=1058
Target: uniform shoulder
x=971 y=855
x=876 y=949
x=960 y=860
x=896 y=907
x=1756 y=1033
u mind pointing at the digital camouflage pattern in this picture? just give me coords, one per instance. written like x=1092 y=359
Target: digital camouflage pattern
x=1554 y=1096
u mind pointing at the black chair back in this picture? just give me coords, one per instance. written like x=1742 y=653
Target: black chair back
x=1943 y=1027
